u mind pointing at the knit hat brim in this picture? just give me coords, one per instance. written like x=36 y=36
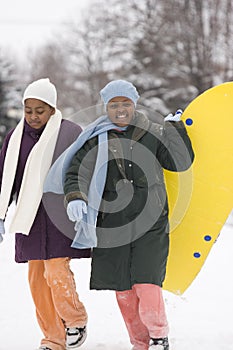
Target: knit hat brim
x=118 y=88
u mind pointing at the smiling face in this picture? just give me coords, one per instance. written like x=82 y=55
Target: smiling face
x=37 y=112
x=120 y=110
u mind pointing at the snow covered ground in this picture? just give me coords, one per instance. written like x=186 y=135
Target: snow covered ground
x=199 y=319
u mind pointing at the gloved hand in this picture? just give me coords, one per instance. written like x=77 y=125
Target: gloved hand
x=174 y=118
x=2 y=230
x=75 y=210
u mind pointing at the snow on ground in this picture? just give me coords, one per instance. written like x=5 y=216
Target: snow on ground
x=199 y=319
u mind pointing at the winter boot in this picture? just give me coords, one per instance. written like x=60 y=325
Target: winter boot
x=75 y=337
x=159 y=344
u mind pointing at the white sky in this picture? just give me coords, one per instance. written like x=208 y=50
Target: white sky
x=28 y=23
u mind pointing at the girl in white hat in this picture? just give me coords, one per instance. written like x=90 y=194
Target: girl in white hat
x=43 y=232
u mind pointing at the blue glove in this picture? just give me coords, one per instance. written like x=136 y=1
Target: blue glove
x=2 y=230
x=75 y=210
x=174 y=118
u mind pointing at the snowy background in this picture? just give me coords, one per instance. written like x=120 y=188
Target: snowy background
x=24 y=28
x=199 y=319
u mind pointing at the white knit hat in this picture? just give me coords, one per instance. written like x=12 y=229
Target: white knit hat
x=42 y=90
x=119 y=88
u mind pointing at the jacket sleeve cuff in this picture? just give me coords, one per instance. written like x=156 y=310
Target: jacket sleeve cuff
x=177 y=125
x=74 y=195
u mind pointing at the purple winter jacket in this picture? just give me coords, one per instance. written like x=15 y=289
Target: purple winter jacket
x=52 y=232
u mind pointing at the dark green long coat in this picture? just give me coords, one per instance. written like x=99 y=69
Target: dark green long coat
x=132 y=225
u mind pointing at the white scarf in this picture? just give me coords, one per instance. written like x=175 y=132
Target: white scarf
x=36 y=169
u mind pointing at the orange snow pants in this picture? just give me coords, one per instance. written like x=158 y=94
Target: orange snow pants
x=57 y=303
x=143 y=311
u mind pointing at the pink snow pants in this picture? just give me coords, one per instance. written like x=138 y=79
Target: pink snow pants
x=56 y=300
x=143 y=311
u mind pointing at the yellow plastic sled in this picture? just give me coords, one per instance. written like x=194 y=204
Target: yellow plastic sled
x=201 y=198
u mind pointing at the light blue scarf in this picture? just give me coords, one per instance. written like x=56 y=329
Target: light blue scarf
x=86 y=229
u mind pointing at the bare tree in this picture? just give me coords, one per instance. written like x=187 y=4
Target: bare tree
x=227 y=41
x=171 y=50
x=98 y=47
x=49 y=61
x=8 y=94
x=183 y=48
x=202 y=37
